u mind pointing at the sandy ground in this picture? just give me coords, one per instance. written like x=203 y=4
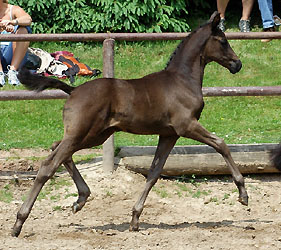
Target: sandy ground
x=198 y=214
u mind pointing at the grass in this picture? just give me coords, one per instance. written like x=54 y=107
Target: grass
x=161 y=191
x=84 y=158
x=53 y=185
x=5 y=194
x=185 y=187
x=37 y=124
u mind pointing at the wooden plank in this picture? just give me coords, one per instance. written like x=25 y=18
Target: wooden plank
x=203 y=164
x=128 y=151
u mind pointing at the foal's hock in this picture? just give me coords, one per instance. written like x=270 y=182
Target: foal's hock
x=167 y=103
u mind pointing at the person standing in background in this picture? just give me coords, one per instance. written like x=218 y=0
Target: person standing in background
x=268 y=20
x=244 y=23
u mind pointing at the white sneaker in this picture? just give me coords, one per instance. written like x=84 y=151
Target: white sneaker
x=2 y=79
x=12 y=77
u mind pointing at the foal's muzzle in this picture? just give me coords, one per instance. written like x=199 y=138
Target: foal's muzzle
x=235 y=66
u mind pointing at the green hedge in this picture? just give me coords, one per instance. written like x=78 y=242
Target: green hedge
x=65 y=16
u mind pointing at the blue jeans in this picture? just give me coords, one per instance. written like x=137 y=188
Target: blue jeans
x=6 y=52
x=266 y=10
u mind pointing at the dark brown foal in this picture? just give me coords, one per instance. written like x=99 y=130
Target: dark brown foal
x=167 y=103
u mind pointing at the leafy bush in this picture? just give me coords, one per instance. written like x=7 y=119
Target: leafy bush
x=64 y=16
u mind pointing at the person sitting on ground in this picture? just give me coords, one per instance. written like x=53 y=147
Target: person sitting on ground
x=244 y=23
x=13 y=20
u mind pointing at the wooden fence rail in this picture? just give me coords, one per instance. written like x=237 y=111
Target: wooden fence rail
x=100 y=37
x=16 y=95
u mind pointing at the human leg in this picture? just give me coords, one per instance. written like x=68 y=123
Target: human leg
x=19 y=50
x=266 y=10
x=221 y=7
x=2 y=75
x=247 y=9
x=15 y=56
x=244 y=23
x=2 y=79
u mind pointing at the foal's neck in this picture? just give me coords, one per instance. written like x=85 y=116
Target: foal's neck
x=187 y=59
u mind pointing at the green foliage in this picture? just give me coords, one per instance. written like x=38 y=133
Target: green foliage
x=64 y=16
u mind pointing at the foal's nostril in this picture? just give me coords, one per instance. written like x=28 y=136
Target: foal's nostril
x=238 y=65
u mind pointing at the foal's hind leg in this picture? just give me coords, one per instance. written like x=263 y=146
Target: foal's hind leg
x=164 y=147
x=46 y=171
x=83 y=189
x=198 y=132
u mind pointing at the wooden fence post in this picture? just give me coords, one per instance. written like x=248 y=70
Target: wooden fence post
x=108 y=72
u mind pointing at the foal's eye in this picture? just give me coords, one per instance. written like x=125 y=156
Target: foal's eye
x=223 y=42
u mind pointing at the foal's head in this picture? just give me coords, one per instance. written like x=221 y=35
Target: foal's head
x=218 y=49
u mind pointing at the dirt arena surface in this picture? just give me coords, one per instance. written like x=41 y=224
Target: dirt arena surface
x=196 y=214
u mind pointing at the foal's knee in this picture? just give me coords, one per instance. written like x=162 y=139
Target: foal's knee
x=221 y=147
x=45 y=172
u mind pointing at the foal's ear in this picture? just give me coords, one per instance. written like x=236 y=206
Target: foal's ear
x=215 y=20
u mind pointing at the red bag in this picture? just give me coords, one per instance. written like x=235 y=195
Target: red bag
x=57 y=54
x=71 y=62
x=75 y=67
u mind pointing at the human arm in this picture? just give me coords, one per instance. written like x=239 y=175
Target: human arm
x=20 y=17
x=4 y=25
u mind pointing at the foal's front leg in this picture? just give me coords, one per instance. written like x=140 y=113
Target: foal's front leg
x=164 y=147
x=199 y=133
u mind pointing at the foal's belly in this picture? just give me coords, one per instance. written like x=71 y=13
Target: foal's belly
x=144 y=128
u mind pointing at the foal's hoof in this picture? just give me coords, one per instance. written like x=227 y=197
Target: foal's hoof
x=17 y=228
x=15 y=232
x=76 y=207
x=133 y=229
x=243 y=200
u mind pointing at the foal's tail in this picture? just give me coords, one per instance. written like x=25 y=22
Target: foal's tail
x=39 y=83
x=276 y=157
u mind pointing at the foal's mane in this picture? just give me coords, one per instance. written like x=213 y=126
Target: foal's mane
x=185 y=40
